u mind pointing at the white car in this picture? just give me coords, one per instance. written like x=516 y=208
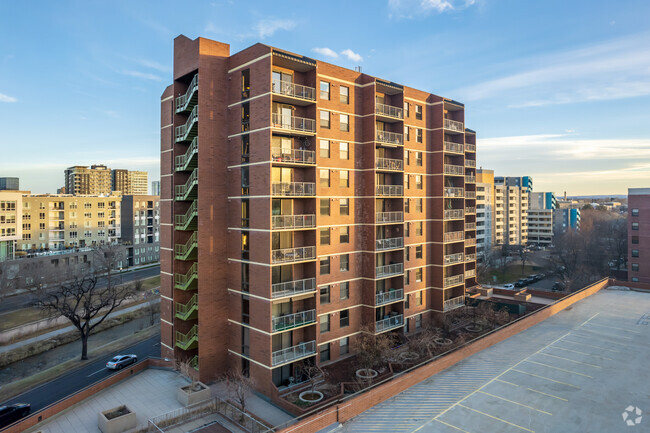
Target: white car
x=509 y=286
x=120 y=361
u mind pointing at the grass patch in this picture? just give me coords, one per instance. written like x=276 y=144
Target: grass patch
x=150 y=283
x=512 y=274
x=20 y=317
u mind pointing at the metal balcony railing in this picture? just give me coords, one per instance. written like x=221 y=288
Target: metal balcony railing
x=470 y=163
x=451 y=147
x=388 y=297
x=470 y=195
x=454 y=214
x=189 y=340
x=290 y=321
x=389 y=111
x=470 y=273
x=293 y=123
x=389 y=323
x=452 y=303
x=470 y=147
x=390 y=164
x=451 y=192
x=470 y=179
x=188 y=190
x=294 y=90
x=389 y=217
x=470 y=210
x=390 y=270
x=470 y=226
x=187 y=251
x=453 y=125
x=470 y=242
x=289 y=255
x=183 y=101
x=389 y=190
x=284 y=222
x=184 y=281
x=188 y=130
x=293 y=156
x=453 y=236
x=470 y=257
x=291 y=288
x=390 y=137
x=451 y=259
x=456 y=170
x=389 y=244
x=187 y=160
x=289 y=354
x=294 y=189
x=453 y=281
x=187 y=221
x=189 y=310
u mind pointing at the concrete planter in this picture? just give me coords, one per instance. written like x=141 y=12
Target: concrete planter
x=310 y=396
x=366 y=374
x=116 y=420
x=187 y=396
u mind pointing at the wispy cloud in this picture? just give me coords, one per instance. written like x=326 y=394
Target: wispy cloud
x=151 y=64
x=352 y=55
x=410 y=9
x=7 y=98
x=328 y=52
x=144 y=75
x=268 y=27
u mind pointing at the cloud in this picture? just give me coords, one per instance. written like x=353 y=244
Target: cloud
x=7 y=98
x=145 y=75
x=153 y=65
x=409 y=9
x=352 y=55
x=268 y=27
x=326 y=52
x=437 y=5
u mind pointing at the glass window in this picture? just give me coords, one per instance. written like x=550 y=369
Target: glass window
x=345 y=319
x=407 y=230
x=325 y=236
x=418 y=205
x=407 y=280
x=345 y=290
x=325 y=207
x=635 y=239
x=418 y=298
x=406 y=109
x=635 y=212
x=345 y=95
x=345 y=262
x=418 y=252
x=418 y=321
x=344 y=151
x=418 y=112
x=324 y=149
x=324 y=178
x=345 y=235
x=635 y=226
x=325 y=270
x=324 y=350
x=407 y=135
x=344 y=344
x=324 y=323
x=635 y=266
x=325 y=90
x=325 y=294
x=418 y=181
x=344 y=124
x=344 y=179
x=418 y=275
x=635 y=253
x=418 y=159
x=325 y=119
x=407 y=206
x=418 y=135
x=344 y=206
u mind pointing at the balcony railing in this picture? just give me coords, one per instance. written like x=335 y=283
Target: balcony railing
x=188 y=131
x=184 y=281
x=292 y=288
x=456 y=170
x=188 y=311
x=451 y=192
x=283 y=222
x=290 y=321
x=389 y=217
x=290 y=255
x=454 y=214
x=187 y=160
x=189 y=340
x=289 y=354
x=470 y=242
x=293 y=90
x=389 y=111
x=470 y=147
x=293 y=123
x=454 y=147
x=389 y=323
x=453 y=125
x=183 y=192
x=390 y=137
x=389 y=244
x=470 y=226
x=187 y=221
x=388 y=297
x=390 y=270
x=470 y=195
x=293 y=156
x=187 y=251
x=470 y=210
x=390 y=164
x=470 y=179
x=389 y=190
x=453 y=236
x=183 y=101
x=294 y=189
x=452 y=303
x=451 y=259
x=470 y=163
x=470 y=273
x=453 y=281
x=470 y=257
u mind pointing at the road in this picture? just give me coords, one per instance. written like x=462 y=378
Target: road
x=61 y=387
x=24 y=300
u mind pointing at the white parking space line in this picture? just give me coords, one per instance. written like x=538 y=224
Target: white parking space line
x=561 y=369
x=583 y=353
x=514 y=402
x=570 y=360
x=546 y=378
x=452 y=426
x=614 y=327
x=497 y=418
x=591 y=345
x=549 y=395
x=602 y=334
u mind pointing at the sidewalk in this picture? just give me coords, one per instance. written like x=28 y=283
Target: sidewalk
x=257 y=406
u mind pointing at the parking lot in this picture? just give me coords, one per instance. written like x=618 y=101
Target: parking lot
x=578 y=371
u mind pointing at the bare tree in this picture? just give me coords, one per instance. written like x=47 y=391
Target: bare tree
x=310 y=372
x=239 y=387
x=486 y=260
x=372 y=350
x=523 y=256
x=503 y=259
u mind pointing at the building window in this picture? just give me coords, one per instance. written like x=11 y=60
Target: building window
x=418 y=205
x=325 y=119
x=41 y=226
x=418 y=298
x=418 y=159
x=324 y=178
x=345 y=290
x=418 y=112
x=407 y=229
x=407 y=135
x=418 y=252
x=407 y=205
x=418 y=275
x=344 y=151
x=344 y=206
x=418 y=135
x=635 y=279
x=245 y=148
x=344 y=345
x=407 y=253
x=418 y=181
x=345 y=319
x=325 y=269
x=635 y=226
x=407 y=182
x=418 y=321
x=325 y=90
x=324 y=207
x=344 y=124
x=635 y=253
x=324 y=323
x=325 y=295
x=325 y=236
x=635 y=239
x=42 y=215
x=635 y=266
x=345 y=262
x=345 y=95
x=406 y=109
x=635 y=212
x=344 y=179
x=245 y=83
x=324 y=351
x=418 y=228
x=324 y=149
x=345 y=235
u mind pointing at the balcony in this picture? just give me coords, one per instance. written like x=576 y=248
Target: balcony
x=291 y=321
x=453 y=236
x=453 y=281
x=470 y=257
x=189 y=161
x=292 y=90
x=389 y=190
x=185 y=281
x=194 y=362
x=392 y=138
x=470 y=226
x=470 y=273
x=293 y=288
x=451 y=192
x=470 y=242
x=291 y=255
x=452 y=259
x=470 y=195
x=189 y=130
x=457 y=148
x=187 y=221
x=389 y=297
x=290 y=354
x=454 y=170
x=390 y=164
x=454 y=214
x=293 y=222
x=190 y=97
x=470 y=163
x=453 y=303
x=389 y=323
x=389 y=111
x=470 y=147
x=389 y=270
x=188 y=191
x=453 y=125
x=470 y=179
x=389 y=217
x=389 y=244
x=469 y=210
x=190 y=310
x=300 y=125
x=293 y=156
x=188 y=341
x=294 y=189
x=187 y=251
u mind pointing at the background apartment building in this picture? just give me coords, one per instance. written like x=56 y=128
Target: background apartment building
x=81 y=180
x=9 y=183
x=511 y=203
x=140 y=216
x=10 y=223
x=155 y=187
x=540 y=217
x=485 y=211
x=638 y=229
x=355 y=210
x=566 y=216
x=129 y=182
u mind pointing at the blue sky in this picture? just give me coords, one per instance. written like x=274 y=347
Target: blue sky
x=558 y=90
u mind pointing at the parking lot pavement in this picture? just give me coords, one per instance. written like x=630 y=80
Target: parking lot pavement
x=577 y=371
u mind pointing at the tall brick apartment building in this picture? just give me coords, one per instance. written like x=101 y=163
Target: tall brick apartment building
x=302 y=204
x=638 y=231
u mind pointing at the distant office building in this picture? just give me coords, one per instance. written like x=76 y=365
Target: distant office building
x=155 y=187
x=141 y=228
x=129 y=182
x=638 y=230
x=11 y=206
x=60 y=190
x=511 y=204
x=485 y=211
x=540 y=217
x=81 y=180
x=523 y=182
x=120 y=181
x=9 y=184
x=565 y=219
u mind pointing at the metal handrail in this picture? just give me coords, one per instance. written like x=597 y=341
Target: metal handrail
x=389 y=244
x=470 y=194
x=389 y=217
x=182 y=132
x=390 y=137
x=294 y=352
x=294 y=90
x=389 y=111
x=389 y=190
x=180 y=250
x=293 y=123
x=451 y=214
x=390 y=164
x=451 y=259
x=454 y=125
x=183 y=339
x=181 y=280
x=290 y=288
x=452 y=303
x=453 y=236
x=294 y=320
x=279 y=222
x=296 y=156
x=470 y=273
x=470 y=226
x=388 y=297
x=470 y=210
x=183 y=309
x=389 y=323
x=470 y=147
x=454 y=169
x=289 y=255
x=470 y=179
x=181 y=220
x=388 y=270
x=182 y=160
x=470 y=163
x=293 y=188
x=183 y=100
x=182 y=190
x=452 y=192
x=454 y=147
x=453 y=281
x=470 y=257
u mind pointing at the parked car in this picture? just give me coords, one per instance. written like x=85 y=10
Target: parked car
x=120 y=361
x=558 y=287
x=509 y=286
x=11 y=413
x=520 y=283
